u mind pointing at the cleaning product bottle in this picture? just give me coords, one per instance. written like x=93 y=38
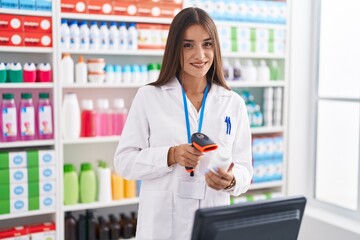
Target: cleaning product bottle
x=8 y=118
x=132 y=37
x=123 y=36
x=2 y=72
x=237 y=69
x=117 y=185
x=27 y=117
x=119 y=116
x=81 y=71
x=104 y=36
x=87 y=184
x=44 y=73
x=103 y=119
x=15 y=73
x=64 y=34
x=70 y=227
x=44 y=117
x=263 y=72
x=71 y=185
x=67 y=69
x=74 y=35
x=104 y=182
x=88 y=118
x=130 y=188
x=29 y=72
x=113 y=36
x=71 y=122
x=84 y=35
x=94 y=36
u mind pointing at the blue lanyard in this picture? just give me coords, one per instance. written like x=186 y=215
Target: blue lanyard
x=186 y=111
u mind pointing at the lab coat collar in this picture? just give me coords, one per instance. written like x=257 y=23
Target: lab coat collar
x=173 y=84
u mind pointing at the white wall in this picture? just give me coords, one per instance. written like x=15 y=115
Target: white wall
x=299 y=166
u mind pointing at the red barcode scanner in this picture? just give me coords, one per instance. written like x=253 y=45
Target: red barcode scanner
x=202 y=143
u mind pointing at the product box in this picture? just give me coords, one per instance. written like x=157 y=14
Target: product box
x=73 y=6
x=37 y=24
x=9 y=22
x=277 y=34
x=43 y=5
x=277 y=47
x=125 y=8
x=99 y=7
x=47 y=187
x=27 y=4
x=262 y=34
x=16 y=233
x=47 y=202
x=5 y=192
x=4 y=206
x=17 y=175
x=14 y=4
x=149 y=36
x=245 y=46
x=41 y=158
x=18 y=205
x=18 y=190
x=37 y=40
x=262 y=46
x=11 y=39
x=42 y=231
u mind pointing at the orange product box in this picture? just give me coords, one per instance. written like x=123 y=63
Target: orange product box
x=10 y=22
x=11 y=39
x=125 y=8
x=37 y=40
x=148 y=9
x=37 y=24
x=174 y=3
x=150 y=36
x=168 y=10
x=73 y=6
x=99 y=7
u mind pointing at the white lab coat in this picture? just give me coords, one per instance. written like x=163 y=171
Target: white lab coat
x=155 y=123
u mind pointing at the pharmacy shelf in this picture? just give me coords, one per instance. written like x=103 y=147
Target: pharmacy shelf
x=239 y=84
x=25 y=12
x=253 y=55
x=264 y=185
x=20 y=144
x=26 y=49
x=139 y=52
x=96 y=205
x=115 y=18
x=26 y=85
x=249 y=24
x=103 y=85
x=26 y=214
x=110 y=139
x=263 y=130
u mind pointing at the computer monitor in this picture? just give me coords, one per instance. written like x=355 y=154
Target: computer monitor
x=277 y=219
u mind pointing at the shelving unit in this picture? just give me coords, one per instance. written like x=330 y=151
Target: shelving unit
x=91 y=148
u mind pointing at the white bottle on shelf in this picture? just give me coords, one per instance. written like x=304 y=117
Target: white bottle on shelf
x=94 y=36
x=74 y=35
x=104 y=36
x=104 y=183
x=64 y=34
x=263 y=72
x=268 y=106
x=249 y=72
x=113 y=36
x=81 y=71
x=84 y=35
x=67 y=69
x=71 y=122
x=228 y=70
x=237 y=69
x=132 y=37
x=123 y=36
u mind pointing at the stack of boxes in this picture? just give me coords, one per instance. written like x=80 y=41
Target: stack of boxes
x=28 y=31
x=37 y=5
x=267 y=158
x=27 y=181
x=152 y=36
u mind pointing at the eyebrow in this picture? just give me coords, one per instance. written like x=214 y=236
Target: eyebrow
x=188 y=40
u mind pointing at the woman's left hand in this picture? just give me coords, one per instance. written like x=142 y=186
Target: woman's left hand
x=219 y=180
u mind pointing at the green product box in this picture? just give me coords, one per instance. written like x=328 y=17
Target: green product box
x=4 y=160
x=253 y=34
x=234 y=45
x=33 y=174
x=271 y=47
x=34 y=203
x=5 y=176
x=4 y=206
x=4 y=192
x=271 y=34
x=253 y=46
x=234 y=33
x=32 y=158
x=33 y=189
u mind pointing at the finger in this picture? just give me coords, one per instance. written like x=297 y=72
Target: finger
x=224 y=175
x=212 y=183
x=231 y=167
x=218 y=179
x=194 y=151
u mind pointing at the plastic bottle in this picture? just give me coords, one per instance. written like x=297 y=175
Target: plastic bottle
x=113 y=36
x=88 y=118
x=117 y=74
x=44 y=117
x=117 y=185
x=119 y=116
x=257 y=117
x=134 y=221
x=71 y=185
x=249 y=72
x=132 y=37
x=15 y=73
x=126 y=73
x=135 y=73
x=74 y=35
x=81 y=71
x=94 y=36
x=115 y=228
x=70 y=227
x=27 y=117
x=263 y=72
x=237 y=69
x=104 y=36
x=67 y=69
x=2 y=72
x=274 y=70
x=130 y=188
x=91 y=225
x=71 y=123
x=103 y=232
x=109 y=73
x=128 y=228
x=221 y=160
x=8 y=118
x=144 y=73
x=228 y=70
x=87 y=184
x=84 y=35
x=268 y=106
x=44 y=73
x=123 y=36
x=64 y=34
x=29 y=72
x=103 y=118
x=81 y=229
x=153 y=72
x=104 y=178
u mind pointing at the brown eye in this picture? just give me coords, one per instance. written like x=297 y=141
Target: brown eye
x=187 y=45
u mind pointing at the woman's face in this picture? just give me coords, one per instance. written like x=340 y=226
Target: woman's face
x=198 y=52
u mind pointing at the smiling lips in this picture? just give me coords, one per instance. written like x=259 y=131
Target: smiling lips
x=199 y=64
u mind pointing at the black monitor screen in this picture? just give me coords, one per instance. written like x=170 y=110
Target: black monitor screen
x=277 y=219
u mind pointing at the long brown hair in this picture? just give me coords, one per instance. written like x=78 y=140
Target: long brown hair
x=171 y=66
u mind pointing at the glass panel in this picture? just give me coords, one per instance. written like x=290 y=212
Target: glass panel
x=338 y=153
x=339 y=71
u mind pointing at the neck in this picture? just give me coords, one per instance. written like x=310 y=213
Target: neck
x=194 y=86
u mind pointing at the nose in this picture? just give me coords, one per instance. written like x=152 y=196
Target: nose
x=199 y=52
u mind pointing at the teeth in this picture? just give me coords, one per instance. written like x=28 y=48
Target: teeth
x=198 y=64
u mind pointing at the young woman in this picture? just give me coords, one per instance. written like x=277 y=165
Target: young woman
x=190 y=96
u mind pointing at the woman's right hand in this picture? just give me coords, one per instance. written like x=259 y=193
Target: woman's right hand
x=185 y=155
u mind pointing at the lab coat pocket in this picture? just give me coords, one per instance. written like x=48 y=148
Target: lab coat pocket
x=156 y=214
x=226 y=134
